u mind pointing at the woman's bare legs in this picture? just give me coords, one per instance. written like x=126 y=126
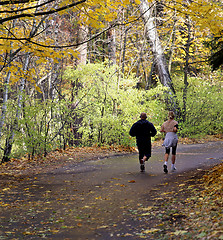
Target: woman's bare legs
x=166 y=157
x=173 y=168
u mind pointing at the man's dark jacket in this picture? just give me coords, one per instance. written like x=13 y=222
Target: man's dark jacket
x=143 y=130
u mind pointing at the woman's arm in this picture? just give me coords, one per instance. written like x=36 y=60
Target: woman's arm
x=162 y=129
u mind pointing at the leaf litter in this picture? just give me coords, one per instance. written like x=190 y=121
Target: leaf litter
x=195 y=213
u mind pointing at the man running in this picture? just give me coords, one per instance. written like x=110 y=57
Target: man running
x=143 y=130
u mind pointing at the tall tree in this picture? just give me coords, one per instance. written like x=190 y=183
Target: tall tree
x=186 y=66
x=157 y=50
x=83 y=48
x=14 y=126
x=112 y=46
x=153 y=38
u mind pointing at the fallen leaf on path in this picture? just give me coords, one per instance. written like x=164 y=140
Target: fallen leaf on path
x=183 y=184
x=146 y=214
x=98 y=198
x=128 y=235
x=103 y=226
x=132 y=181
x=179 y=232
x=166 y=193
x=151 y=230
x=148 y=208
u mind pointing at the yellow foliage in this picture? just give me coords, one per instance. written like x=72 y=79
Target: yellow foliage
x=126 y=2
x=137 y=1
x=109 y=17
x=206 y=16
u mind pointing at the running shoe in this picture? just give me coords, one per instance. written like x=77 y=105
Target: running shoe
x=142 y=165
x=173 y=169
x=165 y=168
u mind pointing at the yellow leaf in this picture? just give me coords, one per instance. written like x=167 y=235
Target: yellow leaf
x=104 y=226
x=179 y=232
x=126 y=2
x=146 y=214
x=148 y=208
x=132 y=181
x=151 y=230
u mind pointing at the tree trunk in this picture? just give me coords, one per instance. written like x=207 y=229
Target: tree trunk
x=186 y=67
x=6 y=90
x=111 y=47
x=151 y=76
x=124 y=50
x=5 y=99
x=159 y=58
x=173 y=38
x=9 y=140
x=82 y=36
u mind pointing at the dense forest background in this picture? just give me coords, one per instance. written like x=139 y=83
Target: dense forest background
x=79 y=73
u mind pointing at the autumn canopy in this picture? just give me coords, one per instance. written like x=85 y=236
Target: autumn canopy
x=79 y=72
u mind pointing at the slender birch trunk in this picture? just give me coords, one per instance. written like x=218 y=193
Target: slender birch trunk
x=5 y=99
x=10 y=139
x=173 y=36
x=112 y=46
x=6 y=91
x=153 y=38
x=124 y=49
x=186 y=67
x=83 y=48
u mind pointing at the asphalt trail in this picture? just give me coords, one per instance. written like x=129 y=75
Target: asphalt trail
x=93 y=199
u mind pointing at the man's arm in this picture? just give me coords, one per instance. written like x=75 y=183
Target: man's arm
x=132 y=131
x=153 y=130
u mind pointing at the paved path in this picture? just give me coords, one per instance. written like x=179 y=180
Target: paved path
x=92 y=200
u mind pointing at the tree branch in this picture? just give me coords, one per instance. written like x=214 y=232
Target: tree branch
x=77 y=44
x=25 y=9
x=13 y=2
x=41 y=13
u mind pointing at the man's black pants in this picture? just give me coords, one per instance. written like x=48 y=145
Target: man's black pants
x=144 y=148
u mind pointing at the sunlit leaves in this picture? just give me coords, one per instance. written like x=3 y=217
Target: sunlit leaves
x=137 y=1
x=205 y=13
x=101 y=14
x=204 y=108
x=27 y=35
x=109 y=103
